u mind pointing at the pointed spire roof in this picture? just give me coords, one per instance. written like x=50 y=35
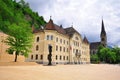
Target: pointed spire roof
x=50 y=25
x=103 y=28
x=85 y=40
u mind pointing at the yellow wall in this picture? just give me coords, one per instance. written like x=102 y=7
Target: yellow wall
x=67 y=54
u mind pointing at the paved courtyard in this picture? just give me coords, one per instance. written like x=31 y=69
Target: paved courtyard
x=61 y=72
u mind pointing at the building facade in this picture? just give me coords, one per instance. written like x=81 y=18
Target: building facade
x=103 y=36
x=67 y=45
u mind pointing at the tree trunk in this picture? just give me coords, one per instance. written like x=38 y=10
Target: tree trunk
x=16 y=56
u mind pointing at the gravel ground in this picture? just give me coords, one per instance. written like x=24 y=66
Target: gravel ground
x=59 y=72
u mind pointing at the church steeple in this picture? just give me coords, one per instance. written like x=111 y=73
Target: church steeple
x=103 y=35
x=103 y=28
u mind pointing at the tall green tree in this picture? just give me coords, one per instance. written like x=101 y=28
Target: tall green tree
x=20 y=40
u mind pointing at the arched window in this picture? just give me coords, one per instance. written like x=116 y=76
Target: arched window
x=41 y=57
x=64 y=49
x=47 y=37
x=36 y=56
x=64 y=58
x=57 y=39
x=61 y=41
x=51 y=37
x=56 y=57
x=37 y=48
x=31 y=56
x=103 y=39
x=60 y=48
x=56 y=48
x=67 y=57
x=37 y=40
x=60 y=57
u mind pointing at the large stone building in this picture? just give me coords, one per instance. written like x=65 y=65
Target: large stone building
x=67 y=45
x=103 y=36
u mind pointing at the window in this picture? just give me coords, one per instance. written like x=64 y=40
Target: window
x=64 y=41
x=67 y=42
x=64 y=49
x=47 y=37
x=41 y=57
x=36 y=57
x=67 y=57
x=56 y=57
x=37 y=40
x=37 y=48
x=56 y=48
x=67 y=49
x=51 y=37
x=57 y=39
x=64 y=58
x=103 y=39
x=60 y=40
x=60 y=48
x=31 y=56
x=76 y=38
x=60 y=57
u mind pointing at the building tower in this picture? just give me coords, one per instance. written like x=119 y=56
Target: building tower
x=103 y=35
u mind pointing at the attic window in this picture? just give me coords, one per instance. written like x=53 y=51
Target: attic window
x=76 y=38
x=49 y=37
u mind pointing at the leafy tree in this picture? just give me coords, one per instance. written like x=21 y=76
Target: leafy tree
x=20 y=40
x=94 y=58
x=98 y=52
x=106 y=55
x=116 y=49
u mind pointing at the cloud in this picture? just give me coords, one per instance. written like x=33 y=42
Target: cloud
x=85 y=15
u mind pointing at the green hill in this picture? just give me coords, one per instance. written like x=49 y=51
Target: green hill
x=19 y=13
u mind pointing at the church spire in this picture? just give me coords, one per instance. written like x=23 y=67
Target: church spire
x=103 y=28
x=103 y=35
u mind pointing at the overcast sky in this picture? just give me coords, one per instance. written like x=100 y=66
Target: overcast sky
x=85 y=15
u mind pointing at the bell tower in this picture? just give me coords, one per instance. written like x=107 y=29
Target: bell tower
x=103 y=35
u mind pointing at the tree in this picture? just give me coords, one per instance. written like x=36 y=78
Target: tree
x=20 y=40
x=98 y=52
x=107 y=55
x=94 y=58
x=116 y=49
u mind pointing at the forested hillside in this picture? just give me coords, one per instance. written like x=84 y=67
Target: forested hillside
x=19 y=13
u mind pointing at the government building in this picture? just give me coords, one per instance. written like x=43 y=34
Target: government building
x=68 y=46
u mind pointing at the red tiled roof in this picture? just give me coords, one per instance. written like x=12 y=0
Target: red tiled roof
x=51 y=26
